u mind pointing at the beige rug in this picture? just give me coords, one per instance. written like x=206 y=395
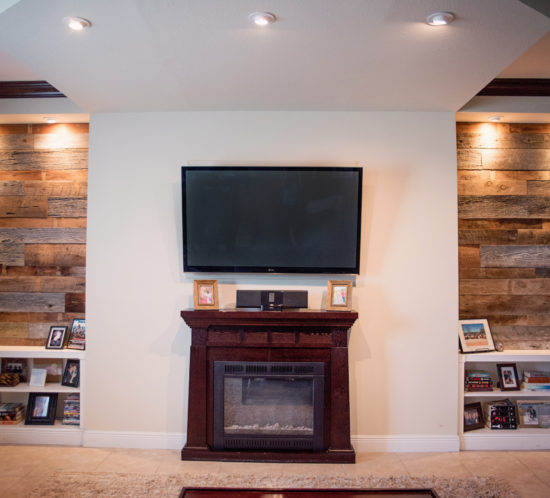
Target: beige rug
x=87 y=484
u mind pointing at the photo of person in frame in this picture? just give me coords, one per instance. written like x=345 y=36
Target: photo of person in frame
x=339 y=295
x=206 y=294
x=57 y=337
x=71 y=375
x=41 y=405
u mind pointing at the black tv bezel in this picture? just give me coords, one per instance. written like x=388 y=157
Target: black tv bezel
x=275 y=269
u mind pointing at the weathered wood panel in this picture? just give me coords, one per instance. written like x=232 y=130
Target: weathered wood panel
x=512 y=159
x=12 y=253
x=43 y=222
x=515 y=256
x=41 y=284
x=44 y=271
x=503 y=286
x=75 y=302
x=468 y=257
x=481 y=306
x=11 y=188
x=8 y=329
x=16 y=142
x=492 y=187
x=43 y=160
x=38 y=317
x=45 y=235
x=505 y=206
x=23 y=207
x=504 y=237
x=538 y=187
x=503 y=139
x=500 y=224
x=482 y=273
x=67 y=207
x=55 y=254
x=61 y=141
x=32 y=301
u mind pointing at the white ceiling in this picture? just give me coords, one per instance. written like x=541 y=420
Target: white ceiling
x=165 y=55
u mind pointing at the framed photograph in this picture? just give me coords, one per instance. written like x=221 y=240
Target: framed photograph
x=71 y=376
x=56 y=337
x=205 y=293
x=473 y=417
x=41 y=409
x=508 y=377
x=543 y=412
x=475 y=336
x=16 y=366
x=339 y=295
x=77 y=337
x=528 y=412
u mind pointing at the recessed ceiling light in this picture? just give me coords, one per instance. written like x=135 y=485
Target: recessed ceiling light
x=50 y=120
x=262 y=18
x=440 y=18
x=495 y=119
x=77 y=23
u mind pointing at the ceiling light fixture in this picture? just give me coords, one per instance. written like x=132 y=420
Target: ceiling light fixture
x=50 y=120
x=262 y=18
x=495 y=119
x=440 y=18
x=77 y=23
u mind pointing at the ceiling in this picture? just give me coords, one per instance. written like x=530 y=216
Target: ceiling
x=167 y=55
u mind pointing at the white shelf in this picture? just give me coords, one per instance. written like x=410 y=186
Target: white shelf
x=58 y=434
x=497 y=393
x=50 y=387
x=507 y=356
x=40 y=352
x=518 y=439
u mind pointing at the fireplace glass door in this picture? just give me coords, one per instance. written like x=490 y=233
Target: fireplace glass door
x=268 y=405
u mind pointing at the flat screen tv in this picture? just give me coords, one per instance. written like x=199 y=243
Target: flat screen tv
x=271 y=219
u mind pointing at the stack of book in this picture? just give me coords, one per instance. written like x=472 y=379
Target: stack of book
x=478 y=380
x=502 y=415
x=71 y=410
x=12 y=413
x=535 y=380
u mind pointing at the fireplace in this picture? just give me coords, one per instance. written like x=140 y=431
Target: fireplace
x=269 y=386
x=268 y=405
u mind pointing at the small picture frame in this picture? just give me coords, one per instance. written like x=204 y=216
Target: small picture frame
x=16 y=366
x=77 y=336
x=71 y=376
x=543 y=412
x=475 y=336
x=339 y=295
x=56 y=337
x=41 y=409
x=205 y=294
x=528 y=412
x=508 y=377
x=473 y=417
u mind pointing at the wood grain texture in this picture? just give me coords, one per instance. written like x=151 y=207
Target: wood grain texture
x=45 y=235
x=505 y=206
x=8 y=329
x=23 y=206
x=67 y=207
x=55 y=254
x=32 y=301
x=43 y=160
x=41 y=284
x=515 y=256
x=11 y=188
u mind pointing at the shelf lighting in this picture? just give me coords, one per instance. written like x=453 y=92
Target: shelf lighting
x=440 y=18
x=77 y=23
x=262 y=18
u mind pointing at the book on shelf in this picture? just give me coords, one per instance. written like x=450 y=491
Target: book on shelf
x=536 y=386
x=536 y=377
x=478 y=380
x=71 y=410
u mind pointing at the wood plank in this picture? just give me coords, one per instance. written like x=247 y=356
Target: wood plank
x=14 y=129
x=529 y=127
x=481 y=306
x=503 y=286
x=468 y=159
x=44 y=271
x=523 y=320
x=490 y=187
x=531 y=287
x=56 y=189
x=19 y=341
x=52 y=141
x=41 y=284
x=12 y=253
x=476 y=237
x=505 y=206
x=44 y=160
x=8 y=329
x=32 y=301
x=465 y=273
x=538 y=187
x=23 y=206
x=468 y=257
x=37 y=317
x=42 y=330
x=515 y=256
x=55 y=254
x=43 y=222
x=527 y=159
x=81 y=175
x=520 y=335
x=21 y=176
x=11 y=188
x=533 y=237
x=542 y=272
x=16 y=142
x=67 y=128
x=75 y=302
x=45 y=235
x=498 y=138
x=500 y=224
x=67 y=207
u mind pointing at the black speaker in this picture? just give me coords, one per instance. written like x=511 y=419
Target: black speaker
x=271 y=300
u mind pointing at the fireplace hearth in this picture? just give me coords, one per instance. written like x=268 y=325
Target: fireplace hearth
x=269 y=386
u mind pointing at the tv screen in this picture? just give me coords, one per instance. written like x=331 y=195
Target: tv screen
x=271 y=219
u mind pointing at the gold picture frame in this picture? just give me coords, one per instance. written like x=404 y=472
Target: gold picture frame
x=339 y=295
x=205 y=294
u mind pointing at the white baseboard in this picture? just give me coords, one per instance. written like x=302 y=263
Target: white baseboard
x=405 y=443
x=142 y=440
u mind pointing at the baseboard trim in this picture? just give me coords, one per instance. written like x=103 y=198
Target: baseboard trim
x=405 y=443
x=142 y=440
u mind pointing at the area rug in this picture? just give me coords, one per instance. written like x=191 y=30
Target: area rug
x=88 y=484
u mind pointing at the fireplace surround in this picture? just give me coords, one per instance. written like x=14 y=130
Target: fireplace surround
x=292 y=357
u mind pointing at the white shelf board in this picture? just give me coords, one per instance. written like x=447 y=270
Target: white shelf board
x=57 y=434
x=518 y=439
x=50 y=387
x=497 y=393
x=40 y=352
x=506 y=356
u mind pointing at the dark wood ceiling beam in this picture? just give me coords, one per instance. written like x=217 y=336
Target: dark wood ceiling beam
x=518 y=87
x=28 y=90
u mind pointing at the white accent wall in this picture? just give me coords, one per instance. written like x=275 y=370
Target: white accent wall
x=403 y=348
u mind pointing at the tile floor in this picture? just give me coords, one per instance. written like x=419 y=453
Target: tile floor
x=21 y=466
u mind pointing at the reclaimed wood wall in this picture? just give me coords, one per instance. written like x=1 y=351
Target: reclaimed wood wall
x=504 y=230
x=43 y=195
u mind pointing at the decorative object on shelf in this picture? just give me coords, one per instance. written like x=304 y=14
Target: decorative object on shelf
x=71 y=376
x=477 y=380
x=38 y=377
x=15 y=366
x=10 y=380
x=499 y=346
x=508 y=377
x=536 y=380
x=339 y=295
x=475 y=336
x=205 y=293
x=528 y=412
x=11 y=413
x=77 y=337
x=502 y=415
x=56 y=337
x=53 y=367
x=71 y=410
x=473 y=417
x=543 y=413
x=41 y=409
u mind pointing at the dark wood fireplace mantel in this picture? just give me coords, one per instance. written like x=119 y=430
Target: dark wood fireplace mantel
x=273 y=336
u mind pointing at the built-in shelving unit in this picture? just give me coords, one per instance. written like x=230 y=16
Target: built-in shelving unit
x=487 y=439
x=43 y=434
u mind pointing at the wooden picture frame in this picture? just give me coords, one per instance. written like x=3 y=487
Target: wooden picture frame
x=205 y=294
x=339 y=295
x=41 y=409
x=475 y=336
x=473 y=417
x=71 y=375
x=77 y=336
x=528 y=412
x=56 y=337
x=508 y=377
